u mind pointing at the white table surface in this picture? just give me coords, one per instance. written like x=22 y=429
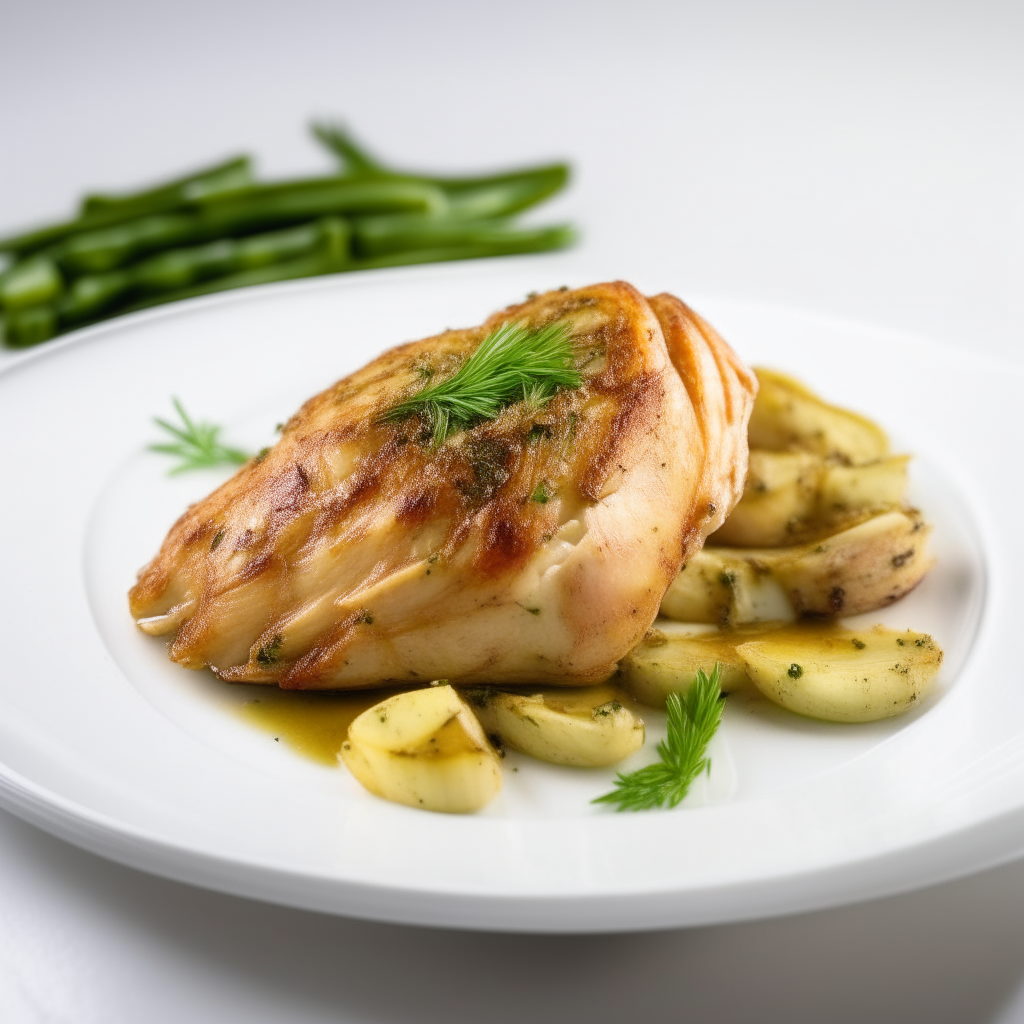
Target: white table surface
x=863 y=159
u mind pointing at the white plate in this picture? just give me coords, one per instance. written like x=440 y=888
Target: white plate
x=106 y=743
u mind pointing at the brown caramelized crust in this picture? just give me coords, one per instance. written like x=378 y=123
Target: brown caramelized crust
x=534 y=547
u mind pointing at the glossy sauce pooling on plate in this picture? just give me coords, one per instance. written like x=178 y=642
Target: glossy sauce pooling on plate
x=312 y=724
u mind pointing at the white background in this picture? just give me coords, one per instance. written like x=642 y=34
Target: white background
x=863 y=159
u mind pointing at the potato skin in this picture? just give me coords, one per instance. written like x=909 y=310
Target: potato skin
x=857 y=570
x=821 y=528
x=842 y=675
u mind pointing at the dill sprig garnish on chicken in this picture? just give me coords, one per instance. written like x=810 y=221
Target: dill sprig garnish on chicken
x=196 y=445
x=512 y=364
x=692 y=721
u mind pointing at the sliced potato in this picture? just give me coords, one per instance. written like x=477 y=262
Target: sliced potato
x=823 y=670
x=792 y=497
x=426 y=749
x=842 y=675
x=789 y=417
x=865 y=567
x=781 y=490
x=588 y=727
x=876 y=485
x=727 y=587
x=668 y=663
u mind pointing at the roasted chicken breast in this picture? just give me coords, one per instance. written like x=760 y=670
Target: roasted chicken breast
x=533 y=547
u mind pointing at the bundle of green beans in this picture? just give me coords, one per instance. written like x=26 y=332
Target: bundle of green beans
x=219 y=228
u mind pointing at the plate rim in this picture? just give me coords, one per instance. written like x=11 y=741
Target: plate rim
x=887 y=874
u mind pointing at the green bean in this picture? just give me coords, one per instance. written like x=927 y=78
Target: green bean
x=538 y=240
x=106 y=211
x=523 y=241
x=495 y=195
x=217 y=229
x=379 y=236
x=179 y=269
x=290 y=202
x=329 y=258
x=95 y=295
x=104 y=249
x=313 y=265
x=504 y=194
x=29 y=326
x=29 y=283
x=229 y=176
x=498 y=195
x=356 y=159
x=257 y=208
x=92 y=295
x=262 y=207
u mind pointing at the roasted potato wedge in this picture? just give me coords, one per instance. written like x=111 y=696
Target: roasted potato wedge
x=727 y=587
x=865 y=567
x=793 y=497
x=424 y=748
x=587 y=727
x=789 y=417
x=668 y=663
x=879 y=485
x=781 y=490
x=842 y=675
x=823 y=670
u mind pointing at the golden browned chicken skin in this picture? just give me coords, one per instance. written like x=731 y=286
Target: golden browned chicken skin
x=534 y=547
x=721 y=390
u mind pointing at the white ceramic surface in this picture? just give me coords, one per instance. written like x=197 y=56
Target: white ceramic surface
x=105 y=743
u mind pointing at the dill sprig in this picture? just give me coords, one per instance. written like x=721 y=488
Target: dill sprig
x=196 y=444
x=692 y=721
x=512 y=364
